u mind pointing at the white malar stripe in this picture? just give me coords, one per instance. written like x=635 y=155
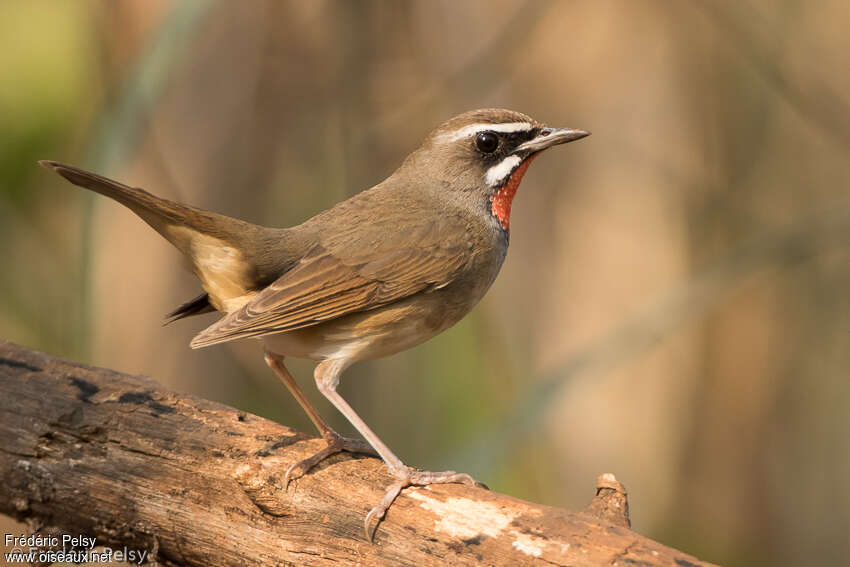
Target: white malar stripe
x=497 y=174
x=506 y=127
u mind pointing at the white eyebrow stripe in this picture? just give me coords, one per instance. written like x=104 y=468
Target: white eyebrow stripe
x=506 y=128
x=496 y=174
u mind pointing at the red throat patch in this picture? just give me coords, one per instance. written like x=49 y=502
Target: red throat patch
x=501 y=202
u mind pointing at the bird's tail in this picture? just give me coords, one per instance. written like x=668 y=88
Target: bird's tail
x=171 y=219
x=226 y=253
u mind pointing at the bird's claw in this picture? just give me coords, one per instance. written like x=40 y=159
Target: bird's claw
x=336 y=444
x=412 y=477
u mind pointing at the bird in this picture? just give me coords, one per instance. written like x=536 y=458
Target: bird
x=378 y=273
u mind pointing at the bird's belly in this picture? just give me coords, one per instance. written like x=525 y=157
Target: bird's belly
x=371 y=334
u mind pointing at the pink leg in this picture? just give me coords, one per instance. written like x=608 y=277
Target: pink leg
x=327 y=378
x=336 y=442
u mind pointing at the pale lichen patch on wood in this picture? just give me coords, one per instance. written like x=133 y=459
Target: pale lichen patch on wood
x=466 y=518
x=527 y=544
x=537 y=546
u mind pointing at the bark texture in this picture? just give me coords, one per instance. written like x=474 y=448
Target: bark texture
x=90 y=451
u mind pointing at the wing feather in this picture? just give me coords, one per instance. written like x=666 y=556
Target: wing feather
x=328 y=283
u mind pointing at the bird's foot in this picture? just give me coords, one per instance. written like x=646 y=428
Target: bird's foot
x=336 y=444
x=412 y=477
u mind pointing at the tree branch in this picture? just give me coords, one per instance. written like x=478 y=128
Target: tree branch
x=89 y=451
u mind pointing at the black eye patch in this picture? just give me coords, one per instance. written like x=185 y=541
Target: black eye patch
x=496 y=145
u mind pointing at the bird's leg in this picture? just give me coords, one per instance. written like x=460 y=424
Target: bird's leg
x=336 y=442
x=327 y=378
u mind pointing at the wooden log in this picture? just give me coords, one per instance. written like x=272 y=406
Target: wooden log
x=89 y=451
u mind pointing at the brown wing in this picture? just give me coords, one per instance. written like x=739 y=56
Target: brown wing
x=338 y=277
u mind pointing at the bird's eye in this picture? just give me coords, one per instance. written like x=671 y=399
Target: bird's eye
x=487 y=142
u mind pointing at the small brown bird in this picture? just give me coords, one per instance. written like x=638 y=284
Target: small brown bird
x=378 y=273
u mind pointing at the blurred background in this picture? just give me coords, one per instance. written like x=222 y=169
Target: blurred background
x=674 y=308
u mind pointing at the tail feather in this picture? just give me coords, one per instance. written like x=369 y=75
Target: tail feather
x=197 y=306
x=161 y=214
x=230 y=256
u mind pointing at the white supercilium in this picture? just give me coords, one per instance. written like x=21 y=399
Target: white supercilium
x=472 y=129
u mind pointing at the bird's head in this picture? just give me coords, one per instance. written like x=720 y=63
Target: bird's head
x=483 y=154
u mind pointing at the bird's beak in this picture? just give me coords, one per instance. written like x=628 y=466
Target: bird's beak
x=548 y=137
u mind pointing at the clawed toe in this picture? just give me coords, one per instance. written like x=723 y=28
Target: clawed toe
x=299 y=469
x=411 y=477
x=378 y=512
x=336 y=444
